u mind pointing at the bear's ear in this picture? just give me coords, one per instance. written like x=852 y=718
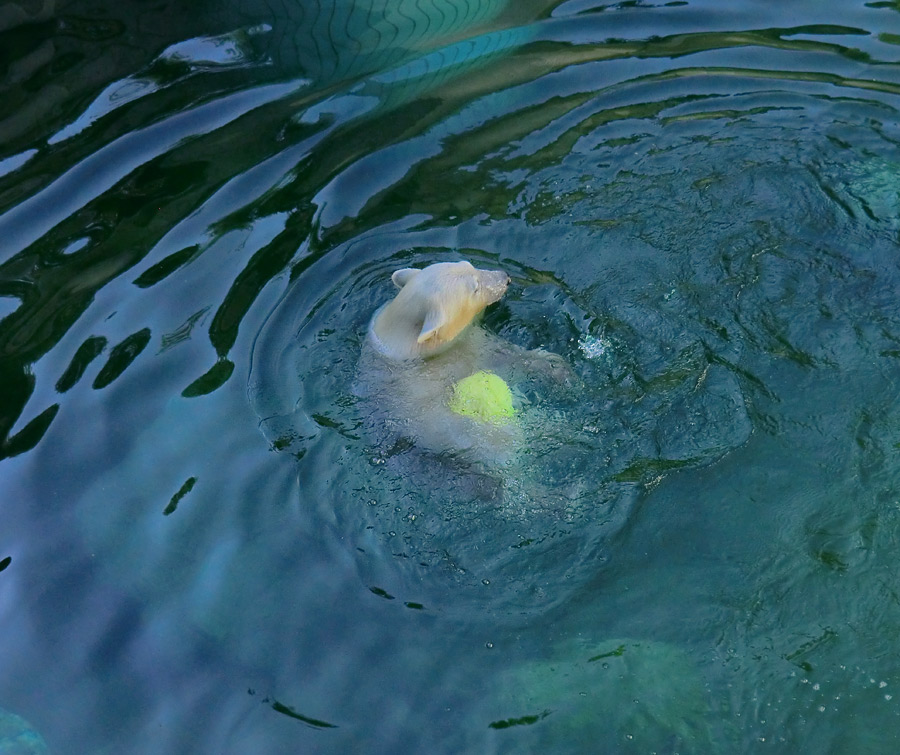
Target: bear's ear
x=404 y=276
x=432 y=325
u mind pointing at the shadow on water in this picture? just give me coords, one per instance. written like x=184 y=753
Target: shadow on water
x=199 y=211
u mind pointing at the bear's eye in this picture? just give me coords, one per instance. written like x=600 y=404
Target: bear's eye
x=475 y=286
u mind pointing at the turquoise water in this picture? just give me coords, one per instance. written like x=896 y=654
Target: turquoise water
x=208 y=546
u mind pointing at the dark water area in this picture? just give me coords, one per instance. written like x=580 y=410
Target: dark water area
x=204 y=546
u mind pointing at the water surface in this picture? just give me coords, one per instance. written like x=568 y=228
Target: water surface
x=204 y=546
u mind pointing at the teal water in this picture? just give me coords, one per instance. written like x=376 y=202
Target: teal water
x=205 y=546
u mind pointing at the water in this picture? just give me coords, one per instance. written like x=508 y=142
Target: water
x=205 y=548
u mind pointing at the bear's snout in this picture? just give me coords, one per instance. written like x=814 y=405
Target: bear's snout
x=495 y=283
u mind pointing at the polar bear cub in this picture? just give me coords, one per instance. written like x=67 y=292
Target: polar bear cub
x=433 y=308
x=418 y=346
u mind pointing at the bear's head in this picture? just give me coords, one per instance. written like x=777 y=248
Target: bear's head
x=434 y=305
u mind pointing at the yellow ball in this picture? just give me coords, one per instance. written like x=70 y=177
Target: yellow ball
x=483 y=396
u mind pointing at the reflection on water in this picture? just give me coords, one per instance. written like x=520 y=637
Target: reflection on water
x=206 y=549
